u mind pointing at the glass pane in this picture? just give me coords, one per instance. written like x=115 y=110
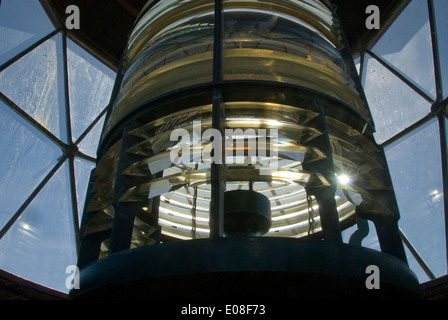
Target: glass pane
x=393 y=104
x=35 y=84
x=89 y=144
x=91 y=85
x=22 y=23
x=441 y=11
x=26 y=158
x=407 y=46
x=82 y=175
x=416 y=170
x=41 y=244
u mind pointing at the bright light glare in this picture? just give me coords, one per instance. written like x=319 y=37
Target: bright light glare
x=344 y=179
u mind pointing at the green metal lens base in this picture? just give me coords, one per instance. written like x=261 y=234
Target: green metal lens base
x=238 y=268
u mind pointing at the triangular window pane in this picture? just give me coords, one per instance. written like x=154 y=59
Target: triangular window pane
x=26 y=158
x=82 y=176
x=394 y=105
x=91 y=84
x=441 y=12
x=41 y=243
x=22 y=23
x=407 y=46
x=416 y=170
x=35 y=84
x=89 y=144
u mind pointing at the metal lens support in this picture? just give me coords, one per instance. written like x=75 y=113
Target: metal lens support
x=246 y=213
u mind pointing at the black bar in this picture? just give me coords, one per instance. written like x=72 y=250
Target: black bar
x=89 y=245
x=125 y=212
x=325 y=198
x=387 y=226
x=74 y=201
x=216 y=170
x=325 y=195
x=218 y=41
x=66 y=88
x=389 y=237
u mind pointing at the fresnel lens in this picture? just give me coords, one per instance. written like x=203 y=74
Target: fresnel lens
x=238 y=147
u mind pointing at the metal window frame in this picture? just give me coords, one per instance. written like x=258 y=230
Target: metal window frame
x=69 y=149
x=437 y=111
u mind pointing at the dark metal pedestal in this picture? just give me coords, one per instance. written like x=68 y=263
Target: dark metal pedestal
x=255 y=268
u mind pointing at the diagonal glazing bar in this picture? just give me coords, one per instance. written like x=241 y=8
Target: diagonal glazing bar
x=32 y=121
x=19 y=212
x=401 y=77
x=408 y=130
x=28 y=50
x=417 y=256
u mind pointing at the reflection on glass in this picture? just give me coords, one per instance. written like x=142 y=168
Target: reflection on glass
x=27 y=156
x=415 y=166
x=41 y=244
x=394 y=105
